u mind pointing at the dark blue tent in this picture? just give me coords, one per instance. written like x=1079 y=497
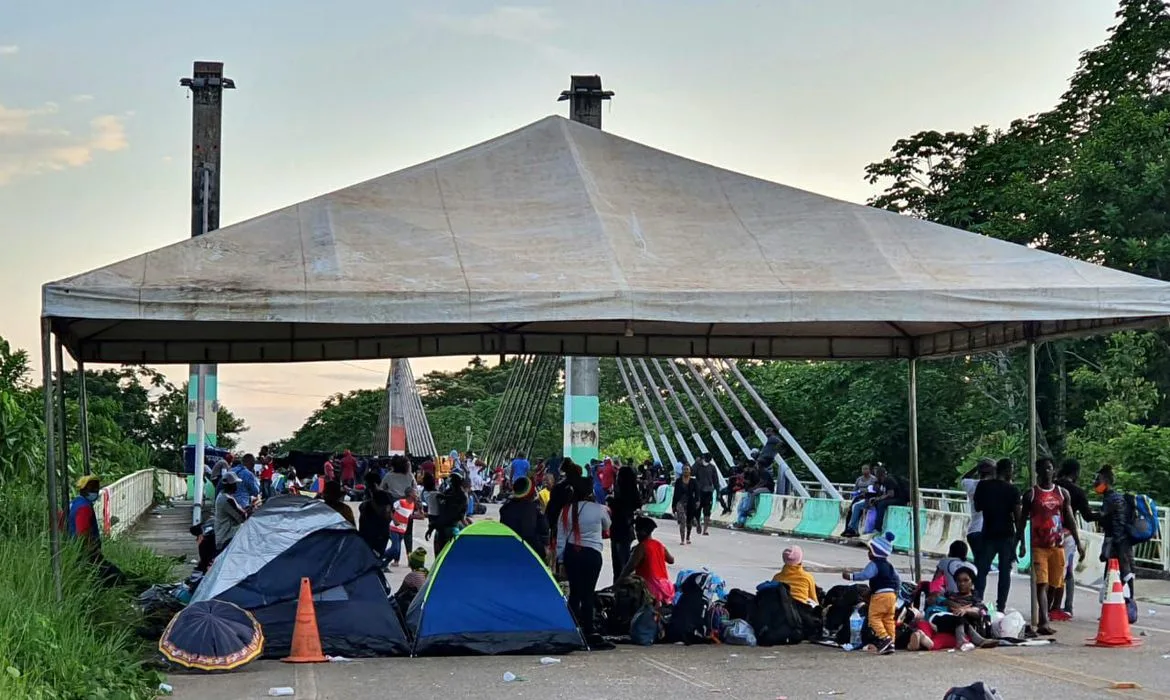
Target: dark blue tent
x=291 y=537
x=489 y=593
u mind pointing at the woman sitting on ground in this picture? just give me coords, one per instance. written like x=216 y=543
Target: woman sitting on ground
x=649 y=559
x=802 y=587
x=961 y=612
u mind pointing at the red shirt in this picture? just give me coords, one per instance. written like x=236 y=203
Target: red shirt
x=266 y=472
x=1047 y=516
x=653 y=564
x=348 y=467
x=329 y=470
x=606 y=475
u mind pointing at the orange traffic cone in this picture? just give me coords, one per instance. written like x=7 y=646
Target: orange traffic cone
x=306 y=642
x=1113 y=630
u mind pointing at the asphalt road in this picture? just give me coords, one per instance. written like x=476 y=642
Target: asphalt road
x=1067 y=670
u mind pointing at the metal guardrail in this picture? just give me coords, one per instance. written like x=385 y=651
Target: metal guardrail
x=1154 y=554
x=123 y=502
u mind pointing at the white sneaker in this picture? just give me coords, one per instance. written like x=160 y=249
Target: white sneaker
x=967 y=647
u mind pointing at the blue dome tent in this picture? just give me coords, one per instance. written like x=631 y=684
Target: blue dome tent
x=291 y=537
x=489 y=593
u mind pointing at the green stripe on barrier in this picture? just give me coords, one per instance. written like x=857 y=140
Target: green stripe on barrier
x=898 y=522
x=763 y=512
x=820 y=517
x=660 y=509
x=1025 y=563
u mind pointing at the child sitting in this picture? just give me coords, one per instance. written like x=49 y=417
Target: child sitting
x=884 y=583
x=961 y=612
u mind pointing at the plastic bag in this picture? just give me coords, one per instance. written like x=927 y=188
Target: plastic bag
x=1009 y=625
x=739 y=633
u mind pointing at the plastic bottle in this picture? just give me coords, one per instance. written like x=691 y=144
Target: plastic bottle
x=855 y=623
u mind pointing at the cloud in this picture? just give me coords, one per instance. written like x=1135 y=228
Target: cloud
x=9 y=50
x=530 y=26
x=82 y=98
x=30 y=145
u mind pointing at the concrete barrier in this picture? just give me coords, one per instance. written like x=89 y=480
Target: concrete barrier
x=846 y=510
x=662 y=505
x=942 y=528
x=717 y=515
x=1091 y=571
x=898 y=522
x=763 y=511
x=820 y=517
x=787 y=512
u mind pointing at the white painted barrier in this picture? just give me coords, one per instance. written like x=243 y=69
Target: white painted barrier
x=123 y=502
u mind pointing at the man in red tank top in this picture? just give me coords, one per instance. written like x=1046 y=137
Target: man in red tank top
x=1048 y=509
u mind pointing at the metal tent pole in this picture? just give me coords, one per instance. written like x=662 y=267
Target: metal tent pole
x=686 y=449
x=50 y=454
x=784 y=434
x=784 y=468
x=653 y=416
x=61 y=419
x=83 y=406
x=1033 y=455
x=706 y=421
x=200 y=441
x=638 y=412
x=915 y=494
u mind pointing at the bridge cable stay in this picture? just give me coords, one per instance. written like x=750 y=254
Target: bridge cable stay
x=638 y=412
x=380 y=445
x=743 y=446
x=674 y=461
x=510 y=409
x=549 y=383
x=525 y=406
x=678 y=437
x=505 y=398
x=785 y=469
x=408 y=421
x=424 y=425
x=698 y=438
x=702 y=414
x=782 y=431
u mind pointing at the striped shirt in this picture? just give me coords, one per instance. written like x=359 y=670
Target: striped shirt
x=403 y=510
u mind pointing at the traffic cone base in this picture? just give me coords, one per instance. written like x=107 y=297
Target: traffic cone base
x=306 y=641
x=1113 y=629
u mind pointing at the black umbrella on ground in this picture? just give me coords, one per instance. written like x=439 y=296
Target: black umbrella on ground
x=212 y=635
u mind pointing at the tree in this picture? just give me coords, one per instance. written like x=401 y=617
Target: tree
x=344 y=422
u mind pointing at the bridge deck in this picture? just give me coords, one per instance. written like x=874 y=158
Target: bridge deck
x=166 y=531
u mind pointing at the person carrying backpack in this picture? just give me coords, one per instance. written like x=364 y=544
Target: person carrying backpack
x=1114 y=520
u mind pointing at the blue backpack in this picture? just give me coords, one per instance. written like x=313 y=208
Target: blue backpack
x=1142 y=522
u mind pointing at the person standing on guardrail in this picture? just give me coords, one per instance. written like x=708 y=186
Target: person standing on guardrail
x=998 y=500
x=1049 y=508
x=1070 y=472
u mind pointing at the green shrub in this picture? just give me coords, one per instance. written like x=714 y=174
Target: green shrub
x=84 y=647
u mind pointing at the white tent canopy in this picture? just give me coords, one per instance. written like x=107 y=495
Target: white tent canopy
x=560 y=238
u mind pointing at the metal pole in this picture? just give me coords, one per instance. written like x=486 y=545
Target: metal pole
x=686 y=449
x=638 y=412
x=785 y=469
x=1032 y=457
x=784 y=434
x=61 y=415
x=706 y=421
x=653 y=416
x=83 y=416
x=200 y=441
x=682 y=411
x=50 y=453
x=915 y=494
x=490 y=442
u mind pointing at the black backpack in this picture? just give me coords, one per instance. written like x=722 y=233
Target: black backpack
x=740 y=604
x=776 y=620
x=688 y=620
x=975 y=691
x=629 y=596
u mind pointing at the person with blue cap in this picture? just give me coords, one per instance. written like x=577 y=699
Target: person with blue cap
x=884 y=583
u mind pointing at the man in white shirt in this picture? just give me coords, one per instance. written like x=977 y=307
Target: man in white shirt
x=985 y=469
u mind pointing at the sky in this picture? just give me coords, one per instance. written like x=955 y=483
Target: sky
x=95 y=130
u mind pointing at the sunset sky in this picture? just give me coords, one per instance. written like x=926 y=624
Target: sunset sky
x=95 y=130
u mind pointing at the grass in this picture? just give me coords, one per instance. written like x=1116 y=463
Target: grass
x=84 y=647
